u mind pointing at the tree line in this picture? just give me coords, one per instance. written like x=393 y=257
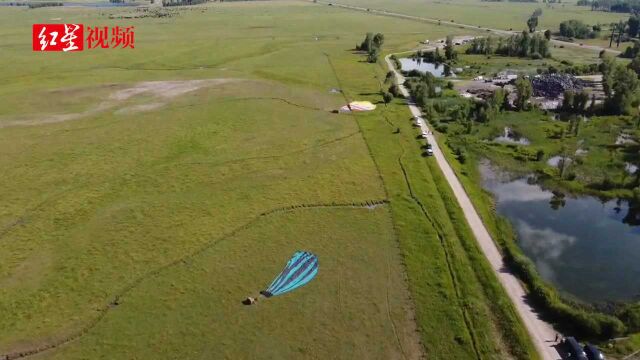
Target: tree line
x=535 y=46
x=620 y=6
x=579 y=30
x=372 y=44
x=35 y=5
x=182 y=2
x=621 y=86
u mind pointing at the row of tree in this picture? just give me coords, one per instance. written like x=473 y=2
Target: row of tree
x=426 y=87
x=182 y=2
x=34 y=5
x=534 y=46
x=575 y=102
x=620 y=84
x=579 y=30
x=532 y=23
x=621 y=6
x=436 y=56
x=372 y=44
x=633 y=25
x=423 y=88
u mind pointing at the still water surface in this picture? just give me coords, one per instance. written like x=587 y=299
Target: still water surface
x=438 y=70
x=586 y=247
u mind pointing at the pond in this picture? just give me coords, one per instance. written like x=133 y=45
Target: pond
x=557 y=161
x=437 y=70
x=510 y=136
x=586 y=247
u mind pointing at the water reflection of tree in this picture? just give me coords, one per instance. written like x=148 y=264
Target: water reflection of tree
x=557 y=200
x=632 y=218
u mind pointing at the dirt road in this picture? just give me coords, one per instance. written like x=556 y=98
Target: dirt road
x=541 y=332
x=466 y=26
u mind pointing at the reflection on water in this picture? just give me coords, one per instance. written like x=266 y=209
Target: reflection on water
x=557 y=161
x=511 y=137
x=545 y=244
x=586 y=247
x=437 y=70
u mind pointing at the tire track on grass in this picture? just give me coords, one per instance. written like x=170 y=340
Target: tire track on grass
x=395 y=332
x=23 y=219
x=277 y=99
x=169 y=107
x=395 y=231
x=104 y=310
x=439 y=232
x=268 y=157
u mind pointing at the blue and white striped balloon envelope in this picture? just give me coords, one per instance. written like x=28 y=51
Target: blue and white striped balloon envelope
x=300 y=269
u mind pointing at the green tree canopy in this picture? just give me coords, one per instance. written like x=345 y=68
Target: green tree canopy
x=532 y=23
x=524 y=91
x=449 y=51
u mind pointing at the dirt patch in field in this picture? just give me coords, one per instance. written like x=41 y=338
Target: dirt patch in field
x=29 y=272
x=139 y=108
x=165 y=89
x=122 y=98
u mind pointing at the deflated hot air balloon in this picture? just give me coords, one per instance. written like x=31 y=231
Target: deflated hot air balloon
x=300 y=269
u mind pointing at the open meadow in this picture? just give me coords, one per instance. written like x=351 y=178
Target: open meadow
x=146 y=192
x=495 y=15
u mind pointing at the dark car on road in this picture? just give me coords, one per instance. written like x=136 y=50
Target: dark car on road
x=593 y=353
x=573 y=349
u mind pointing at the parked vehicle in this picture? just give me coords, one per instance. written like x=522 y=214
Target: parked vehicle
x=429 y=150
x=593 y=353
x=573 y=349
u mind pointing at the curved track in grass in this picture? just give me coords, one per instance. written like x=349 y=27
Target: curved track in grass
x=542 y=333
x=105 y=309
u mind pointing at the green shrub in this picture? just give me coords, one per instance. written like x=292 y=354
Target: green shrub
x=630 y=316
x=575 y=319
x=442 y=128
x=387 y=97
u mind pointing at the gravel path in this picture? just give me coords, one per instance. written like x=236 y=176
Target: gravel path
x=542 y=333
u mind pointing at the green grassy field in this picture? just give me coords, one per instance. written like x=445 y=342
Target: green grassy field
x=496 y=15
x=177 y=178
x=480 y=317
x=194 y=311
x=505 y=16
